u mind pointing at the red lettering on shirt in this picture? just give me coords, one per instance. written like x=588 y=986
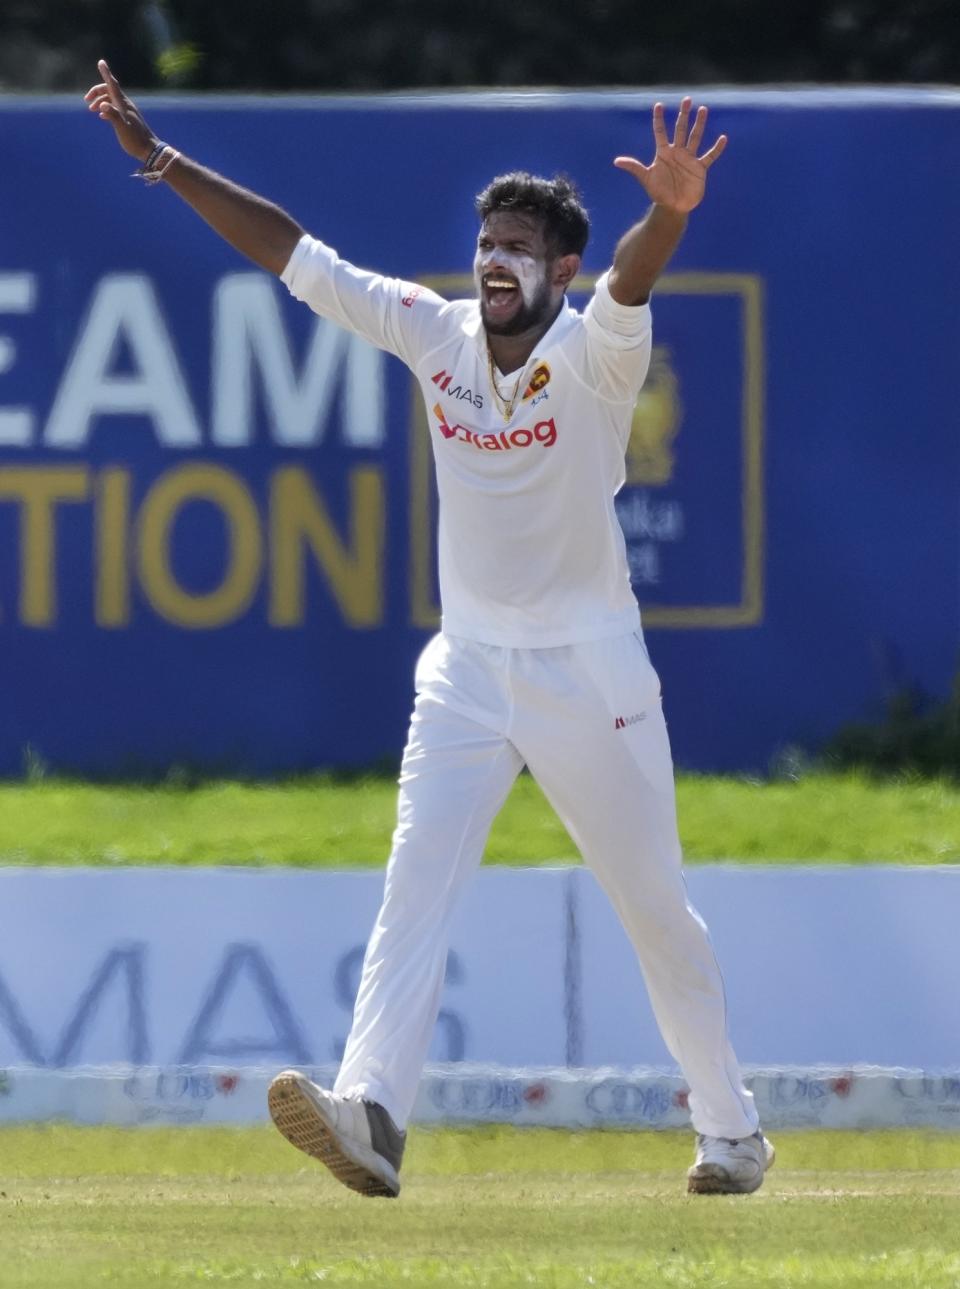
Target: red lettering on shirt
x=544 y=432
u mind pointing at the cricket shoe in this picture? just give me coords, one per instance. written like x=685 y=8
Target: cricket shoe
x=730 y=1165
x=357 y=1140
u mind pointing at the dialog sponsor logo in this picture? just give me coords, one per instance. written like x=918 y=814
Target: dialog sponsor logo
x=543 y=433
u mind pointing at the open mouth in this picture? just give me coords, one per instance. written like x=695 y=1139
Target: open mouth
x=500 y=290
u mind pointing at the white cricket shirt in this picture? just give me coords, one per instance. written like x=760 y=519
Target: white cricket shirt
x=531 y=552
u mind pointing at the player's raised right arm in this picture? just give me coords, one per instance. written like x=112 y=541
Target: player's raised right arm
x=256 y=227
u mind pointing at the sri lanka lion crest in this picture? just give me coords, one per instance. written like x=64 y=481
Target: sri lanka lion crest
x=656 y=420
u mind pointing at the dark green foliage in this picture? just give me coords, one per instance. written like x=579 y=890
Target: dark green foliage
x=916 y=736
x=372 y=45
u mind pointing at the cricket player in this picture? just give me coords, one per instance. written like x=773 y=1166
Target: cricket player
x=540 y=659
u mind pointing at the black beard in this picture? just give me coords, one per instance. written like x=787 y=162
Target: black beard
x=526 y=318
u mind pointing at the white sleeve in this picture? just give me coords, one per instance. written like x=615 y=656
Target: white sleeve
x=398 y=316
x=619 y=339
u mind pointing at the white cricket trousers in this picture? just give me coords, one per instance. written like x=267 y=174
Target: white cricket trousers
x=587 y=720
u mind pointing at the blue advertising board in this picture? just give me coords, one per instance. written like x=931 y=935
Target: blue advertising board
x=217 y=511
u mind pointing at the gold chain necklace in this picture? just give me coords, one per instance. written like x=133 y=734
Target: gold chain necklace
x=505 y=405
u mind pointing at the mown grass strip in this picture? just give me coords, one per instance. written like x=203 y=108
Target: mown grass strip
x=327 y=822
x=907 y=1269
x=232 y=1154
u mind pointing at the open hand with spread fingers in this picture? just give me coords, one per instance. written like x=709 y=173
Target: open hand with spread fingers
x=676 y=178
x=111 y=104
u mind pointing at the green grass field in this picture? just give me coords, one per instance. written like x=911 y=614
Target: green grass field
x=494 y=1208
x=326 y=822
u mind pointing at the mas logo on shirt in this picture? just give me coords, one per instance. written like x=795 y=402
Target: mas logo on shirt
x=445 y=381
x=543 y=433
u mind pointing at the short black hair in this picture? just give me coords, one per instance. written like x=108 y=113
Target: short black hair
x=566 y=224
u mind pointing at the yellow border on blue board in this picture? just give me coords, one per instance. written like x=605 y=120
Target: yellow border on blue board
x=748 y=611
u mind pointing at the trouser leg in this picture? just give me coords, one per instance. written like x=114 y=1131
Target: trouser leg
x=613 y=789
x=456 y=774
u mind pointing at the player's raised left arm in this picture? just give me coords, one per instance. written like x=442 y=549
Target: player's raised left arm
x=675 y=182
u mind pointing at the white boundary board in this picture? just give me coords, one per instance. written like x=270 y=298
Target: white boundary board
x=824 y=967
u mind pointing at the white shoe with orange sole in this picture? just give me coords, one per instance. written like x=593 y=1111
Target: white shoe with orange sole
x=357 y=1140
